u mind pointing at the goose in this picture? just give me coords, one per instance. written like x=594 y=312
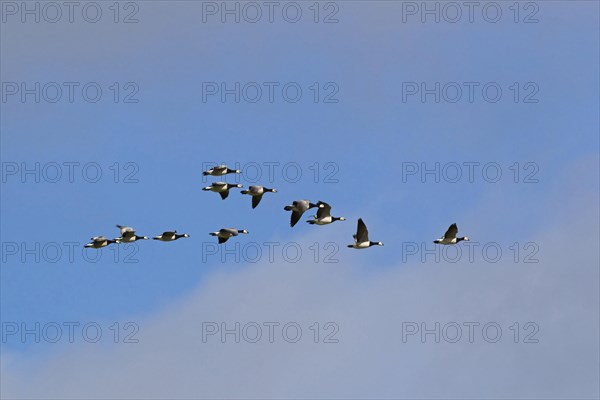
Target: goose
x=169 y=236
x=361 y=238
x=225 y=233
x=222 y=188
x=323 y=216
x=450 y=236
x=100 y=241
x=128 y=235
x=298 y=207
x=257 y=193
x=221 y=170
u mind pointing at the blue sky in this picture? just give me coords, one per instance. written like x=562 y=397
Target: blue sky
x=369 y=135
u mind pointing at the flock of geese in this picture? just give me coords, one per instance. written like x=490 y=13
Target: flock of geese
x=298 y=208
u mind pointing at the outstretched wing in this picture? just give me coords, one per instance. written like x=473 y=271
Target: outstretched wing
x=222 y=239
x=224 y=194
x=324 y=211
x=256 y=200
x=124 y=229
x=362 y=234
x=451 y=232
x=295 y=217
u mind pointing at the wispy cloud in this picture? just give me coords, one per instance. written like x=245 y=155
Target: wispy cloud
x=371 y=314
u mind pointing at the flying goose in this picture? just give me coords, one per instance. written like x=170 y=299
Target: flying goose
x=450 y=236
x=257 y=193
x=100 y=241
x=222 y=188
x=298 y=207
x=128 y=235
x=323 y=216
x=361 y=238
x=170 y=236
x=221 y=170
x=225 y=233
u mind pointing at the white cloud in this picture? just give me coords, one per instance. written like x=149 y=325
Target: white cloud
x=369 y=304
